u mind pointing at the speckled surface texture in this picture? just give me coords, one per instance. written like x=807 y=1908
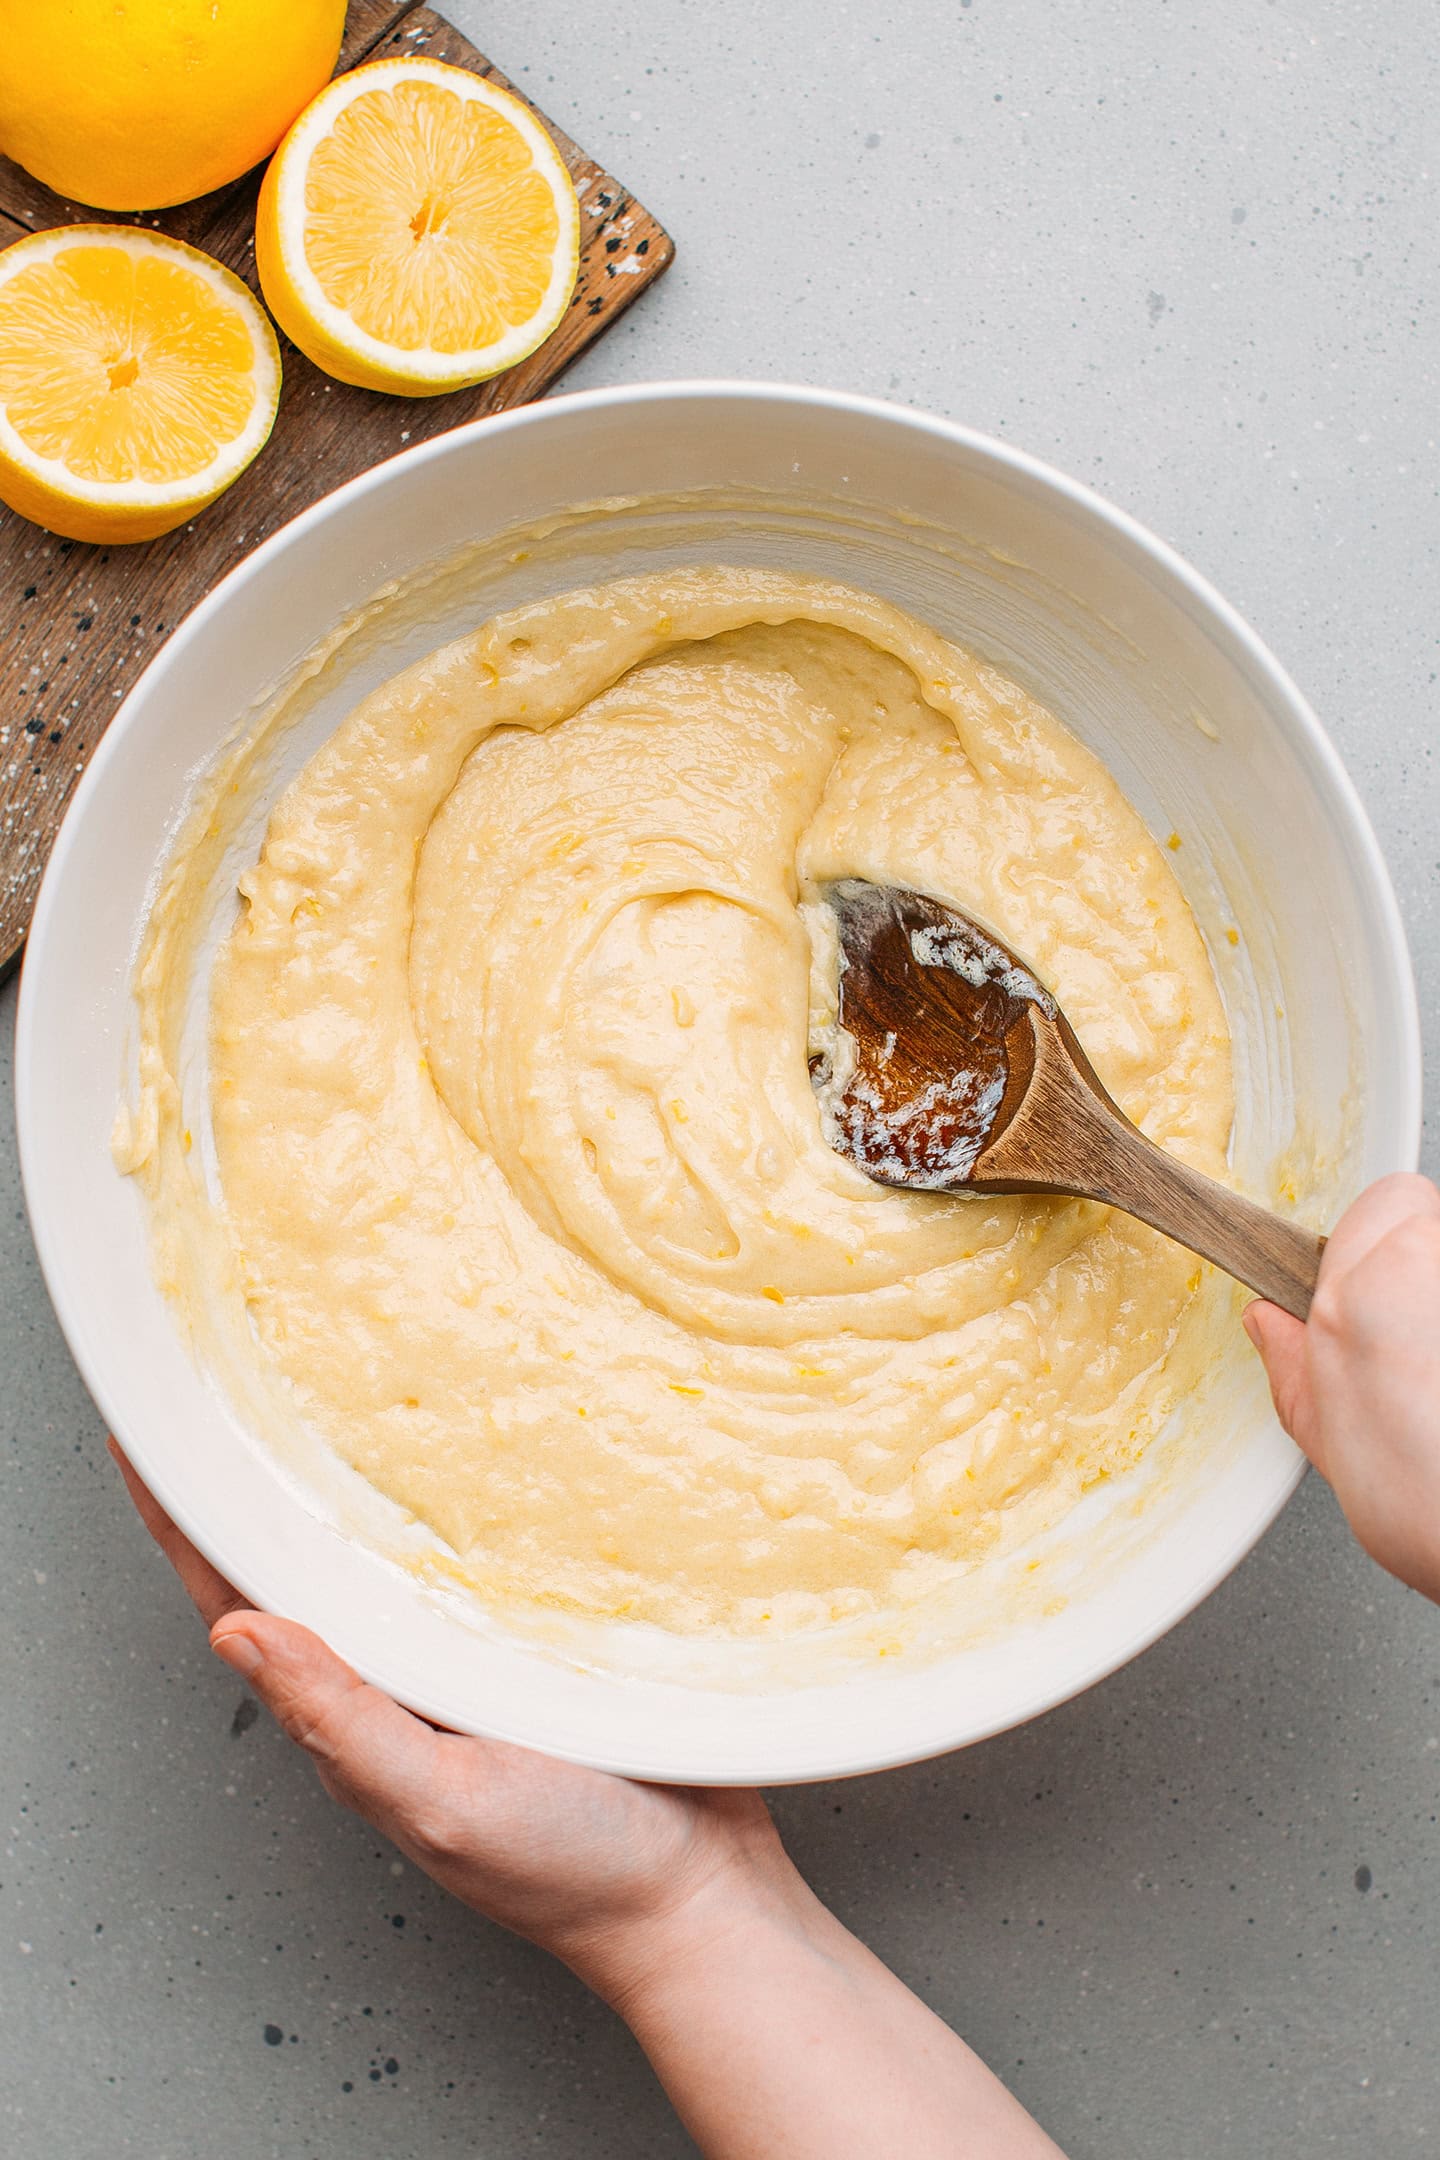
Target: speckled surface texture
x=1188 y=253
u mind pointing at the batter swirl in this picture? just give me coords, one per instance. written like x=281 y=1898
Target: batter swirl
x=519 y=1151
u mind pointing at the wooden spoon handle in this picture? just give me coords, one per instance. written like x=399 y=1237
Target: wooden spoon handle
x=1069 y=1135
x=1279 y=1259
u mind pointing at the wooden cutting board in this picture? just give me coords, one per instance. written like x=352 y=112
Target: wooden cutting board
x=78 y=623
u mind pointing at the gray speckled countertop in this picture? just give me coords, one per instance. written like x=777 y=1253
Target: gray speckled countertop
x=1187 y=252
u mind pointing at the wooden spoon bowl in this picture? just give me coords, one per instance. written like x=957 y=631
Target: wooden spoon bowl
x=956 y=1071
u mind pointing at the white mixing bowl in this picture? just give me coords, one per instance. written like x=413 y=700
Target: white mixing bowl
x=1105 y=625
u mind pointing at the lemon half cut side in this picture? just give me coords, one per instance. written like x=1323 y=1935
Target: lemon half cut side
x=138 y=378
x=417 y=229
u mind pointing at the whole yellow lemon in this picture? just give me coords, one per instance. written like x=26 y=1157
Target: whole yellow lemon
x=133 y=104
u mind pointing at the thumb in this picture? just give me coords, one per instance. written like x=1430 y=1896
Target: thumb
x=1280 y=1339
x=372 y=1755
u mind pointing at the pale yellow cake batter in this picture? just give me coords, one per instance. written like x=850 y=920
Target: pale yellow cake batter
x=521 y=1162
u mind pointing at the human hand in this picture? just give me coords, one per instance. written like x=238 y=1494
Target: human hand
x=608 y=1874
x=1358 y=1385
x=771 y=2027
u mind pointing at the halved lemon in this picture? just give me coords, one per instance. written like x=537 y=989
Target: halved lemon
x=417 y=229
x=138 y=378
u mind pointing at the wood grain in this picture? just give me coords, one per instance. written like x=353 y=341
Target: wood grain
x=81 y=622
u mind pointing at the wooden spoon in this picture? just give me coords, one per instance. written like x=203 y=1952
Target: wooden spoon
x=956 y=1071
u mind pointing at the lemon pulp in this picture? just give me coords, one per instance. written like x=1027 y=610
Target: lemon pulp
x=137 y=379
x=426 y=220
x=417 y=230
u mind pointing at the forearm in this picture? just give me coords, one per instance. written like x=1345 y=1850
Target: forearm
x=779 y=2036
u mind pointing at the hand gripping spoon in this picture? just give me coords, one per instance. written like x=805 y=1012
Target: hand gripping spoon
x=955 y=1071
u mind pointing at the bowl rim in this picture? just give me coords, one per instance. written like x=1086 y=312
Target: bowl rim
x=1285 y=702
